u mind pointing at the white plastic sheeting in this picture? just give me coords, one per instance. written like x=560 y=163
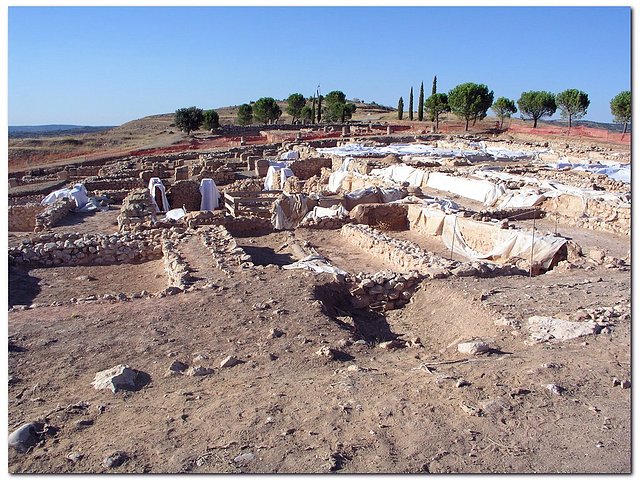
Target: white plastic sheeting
x=288 y=211
x=210 y=194
x=277 y=176
x=176 y=213
x=156 y=183
x=335 y=211
x=507 y=243
x=479 y=190
x=617 y=171
x=525 y=197
x=336 y=178
x=315 y=263
x=401 y=173
x=479 y=153
x=290 y=155
x=78 y=193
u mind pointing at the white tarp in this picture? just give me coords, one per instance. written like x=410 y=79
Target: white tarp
x=210 y=194
x=277 y=176
x=288 y=211
x=290 y=155
x=336 y=178
x=479 y=190
x=155 y=182
x=78 y=193
x=525 y=197
x=176 y=213
x=400 y=173
x=315 y=263
x=335 y=211
x=476 y=152
x=508 y=243
x=617 y=171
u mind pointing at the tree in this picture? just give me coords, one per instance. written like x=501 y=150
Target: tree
x=266 y=110
x=504 y=108
x=436 y=105
x=313 y=110
x=295 y=104
x=211 y=119
x=189 y=119
x=337 y=107
x=433 y=92
x=400 y=108
x=411 y=104
x=245 y=114
x=307 y=113
x=621 y=109
x=470 y=101
x=536 y=104
x=573 y=104
x=319 y=112
x=421 y=102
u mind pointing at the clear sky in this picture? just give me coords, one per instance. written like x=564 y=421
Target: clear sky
x=109 y=65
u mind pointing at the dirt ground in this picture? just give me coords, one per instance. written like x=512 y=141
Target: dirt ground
x=369 y=410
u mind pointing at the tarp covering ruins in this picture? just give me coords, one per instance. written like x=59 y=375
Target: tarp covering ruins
x=277 y=175
x=210 y=194
x=155 y=186
x=615 y=170
x=78 y=193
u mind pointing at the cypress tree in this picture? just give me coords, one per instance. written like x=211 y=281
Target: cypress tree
x=433 y=92
x=319 y=108
x=400 y=108
x=421 y=102
x=411 y=104
x=313 y=110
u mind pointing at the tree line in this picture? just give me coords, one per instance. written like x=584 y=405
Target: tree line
x=471 y=102
x=332 y=107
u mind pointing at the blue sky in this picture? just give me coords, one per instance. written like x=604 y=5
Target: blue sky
x=106 y=66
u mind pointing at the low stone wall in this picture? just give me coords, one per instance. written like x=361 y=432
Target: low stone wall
x=591 y=214
x=112 y=183
x=384 y=290
x=90 y=249
x=307 y=168
x=117 y=196
x=175 y=267
x=22 y=218
x=52 y=214
x=137 y=209
x=384 y=216
x=410 y=257
x=223 y=248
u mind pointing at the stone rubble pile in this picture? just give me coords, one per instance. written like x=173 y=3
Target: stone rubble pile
x=86 y=249
x=385 y=290
x=137 y=208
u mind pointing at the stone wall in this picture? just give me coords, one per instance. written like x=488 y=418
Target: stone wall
x=22 y=218
x=224 y=249
x=384 y=216
x=89 y=249
x=174 y=265
x=590 y=213
x=384 y=290
x=112 y=183
x=184 y=193
x=137 y=209
x=53 y=213
x=307 y=168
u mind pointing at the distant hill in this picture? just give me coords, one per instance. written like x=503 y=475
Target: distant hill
x=18 y=131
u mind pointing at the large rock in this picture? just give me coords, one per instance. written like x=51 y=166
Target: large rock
x=473 y=348
x=544 y=329
x=120 y=377
x=24 y=437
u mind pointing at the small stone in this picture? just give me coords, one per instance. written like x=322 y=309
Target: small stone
x=115 y=460
x=228 y=362
x=325 y=351
x=275 y=333
x=625 y=384
x=269 y=420
x=555 y=389
x=244 y=458
x=75 y=457
x=177 y=368
x=84 y=422
x=392 y=344
x=199 y=371
x=518 y=391
x=462 y=383
x=615 y=382
x=473 y=348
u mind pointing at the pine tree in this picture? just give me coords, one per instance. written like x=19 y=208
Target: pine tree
x=400 y=108
x=421 y=102
x=411 y=104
